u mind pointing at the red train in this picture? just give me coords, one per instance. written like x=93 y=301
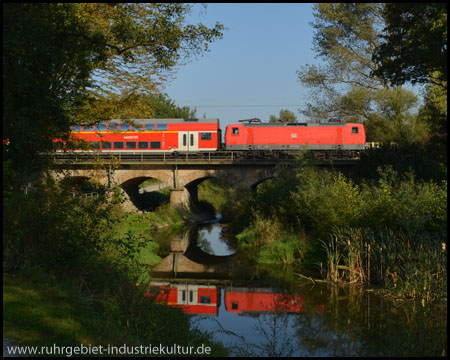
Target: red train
x=205 y=299
x=204 y=135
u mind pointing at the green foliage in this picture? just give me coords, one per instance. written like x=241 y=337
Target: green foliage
x=404 y=217
x=345 y=35
x=164 y=108
x=434 y=111
x=269 y=243
x=415 y=44
x=286 y=116
x=428 y=161
x=362 y=74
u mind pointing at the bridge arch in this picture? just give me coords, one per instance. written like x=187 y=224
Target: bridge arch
x=129 y=177
x=254 y=186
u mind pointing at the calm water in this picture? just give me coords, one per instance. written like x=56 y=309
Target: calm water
x=255 y=315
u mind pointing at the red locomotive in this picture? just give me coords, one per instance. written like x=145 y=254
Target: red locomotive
x=295 y=136
x=261 y=301
x=204 y=135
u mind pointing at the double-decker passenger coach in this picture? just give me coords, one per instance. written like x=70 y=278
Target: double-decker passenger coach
x=148 y=135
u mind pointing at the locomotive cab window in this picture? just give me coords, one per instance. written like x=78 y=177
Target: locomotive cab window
x=354 y=130
x=206 y=136
x=235 y=131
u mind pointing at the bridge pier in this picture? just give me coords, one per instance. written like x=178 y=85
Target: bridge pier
x=180 y=197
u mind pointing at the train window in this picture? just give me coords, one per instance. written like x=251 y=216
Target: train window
x=205 y=299
x=125 y=127
x=234 y=306
x=76 y=128
x=136 y=128
x=113 y=127
x=118 y=144
x=131 y=144
x=354 y=130
x=183 y=295
x=235 y=131
x=206 y=136
x=143 y=145
x=192 y=139
x=161 y=127
x=191 y=296
x=149 y=127
x=184 y=139
x=94 y=145
x=89 y=128
x=100 y=128
x=155 y=144
x=106 y=145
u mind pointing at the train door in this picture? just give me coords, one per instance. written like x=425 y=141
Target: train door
x=250 y=138
x=339 y=136
x=187 y=295
x=188 y=140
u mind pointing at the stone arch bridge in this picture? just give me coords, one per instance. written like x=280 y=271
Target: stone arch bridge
x=182 y=176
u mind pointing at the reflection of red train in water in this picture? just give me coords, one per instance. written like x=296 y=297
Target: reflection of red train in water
x=193 y=299
x=205 y=299
x=204 y=135
x=241 y=300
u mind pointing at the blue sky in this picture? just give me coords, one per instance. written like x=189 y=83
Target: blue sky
x=254 y=64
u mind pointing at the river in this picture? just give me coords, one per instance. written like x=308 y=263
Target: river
x=254 y=313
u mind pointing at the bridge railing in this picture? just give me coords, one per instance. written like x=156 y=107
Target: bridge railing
x=199 y=157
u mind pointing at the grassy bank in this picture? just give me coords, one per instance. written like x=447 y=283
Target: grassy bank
x=41 y=310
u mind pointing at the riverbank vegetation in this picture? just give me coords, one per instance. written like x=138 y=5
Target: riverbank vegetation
x=390 y=231
x=83 y=263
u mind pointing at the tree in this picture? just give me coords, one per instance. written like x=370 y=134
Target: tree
x=164 y=108
x=76 y=62
x=414 y=46
x=345 y=88
x=345 y=36
x=286 y=116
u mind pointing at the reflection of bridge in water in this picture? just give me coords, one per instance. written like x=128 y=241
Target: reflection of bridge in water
x=186 y=259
